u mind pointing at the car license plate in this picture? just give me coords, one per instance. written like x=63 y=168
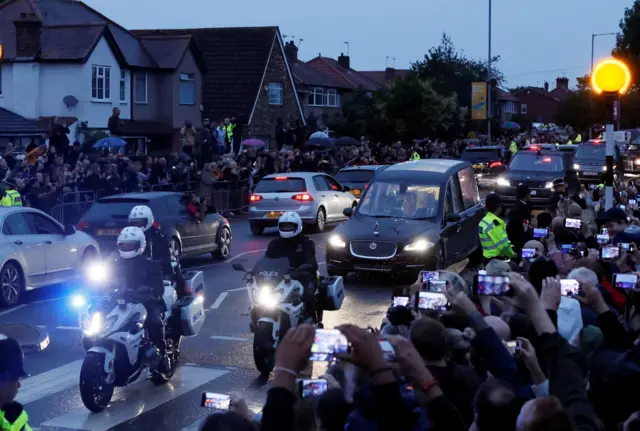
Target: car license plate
x=274 y=214
x=478 y=166
x=108 y=232
x=534 y=192
x=591 y=174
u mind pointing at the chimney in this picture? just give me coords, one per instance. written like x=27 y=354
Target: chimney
x=28 y=34
x=344 y=61
x=291 y=51
x=562 y=83
x=389 y=74
x=546 y=86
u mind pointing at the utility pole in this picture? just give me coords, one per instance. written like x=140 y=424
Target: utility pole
x=489 y=110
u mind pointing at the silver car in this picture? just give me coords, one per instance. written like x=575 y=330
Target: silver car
x=37 y=251
x=318 y=198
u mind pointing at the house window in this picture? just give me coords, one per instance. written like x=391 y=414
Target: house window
x=322 y=97
x=101 y=83
x=510 y=108
x=332 y=98
x=523 y=109
x=316 y=98
x=187 y=89
x=123 y=86
x=140 y=87
x=276 y=93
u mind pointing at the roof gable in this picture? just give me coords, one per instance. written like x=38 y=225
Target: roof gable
x=12 y=123
x=348 y=77
x=536 y=90
x=167 y=51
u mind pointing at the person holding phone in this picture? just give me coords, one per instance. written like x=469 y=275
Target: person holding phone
x=519 y=225
x=493 y=233
x=618 y=227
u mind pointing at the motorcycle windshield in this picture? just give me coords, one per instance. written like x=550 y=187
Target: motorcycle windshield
x=270 y=271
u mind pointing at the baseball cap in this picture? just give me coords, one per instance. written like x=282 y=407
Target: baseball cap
x=11 y=360
x=614 y=213
x=558 y=182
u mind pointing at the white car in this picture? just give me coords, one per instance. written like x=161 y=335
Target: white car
x=37 y=251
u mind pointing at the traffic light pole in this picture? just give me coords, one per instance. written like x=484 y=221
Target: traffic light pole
x=608 y=179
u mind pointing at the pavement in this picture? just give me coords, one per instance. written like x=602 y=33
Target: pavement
x=218 y=360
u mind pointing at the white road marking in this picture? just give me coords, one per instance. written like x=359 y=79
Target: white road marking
x=231 y=259
x=136 y=400
x=322 y=263
x=49 y=383
x=69 y=328
x=236 y=290
x=11 y=310
x=225 y=338
x=218 y=301
x=42 y=301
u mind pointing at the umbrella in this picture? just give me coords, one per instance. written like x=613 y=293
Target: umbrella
x=346 y=142
x=319 y=135
x=253 y=143
x=110 y=142
x=510 y=125
x=320 y=142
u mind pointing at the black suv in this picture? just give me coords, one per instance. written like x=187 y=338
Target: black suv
x=537 y=169
x=488 y=162
x=590 y=158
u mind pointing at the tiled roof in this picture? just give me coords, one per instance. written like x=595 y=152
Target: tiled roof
x=70 y=42
x=46 y=122
x=235 y=60
x=167 y=51
x=308 y=75
x=12 y=123
x=504 y=95
x=348 y=77
x=379 y=76
x=537 y=90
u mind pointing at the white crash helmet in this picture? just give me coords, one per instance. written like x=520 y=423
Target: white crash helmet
x=141 y=216
x=289 y=224
x=131 y=242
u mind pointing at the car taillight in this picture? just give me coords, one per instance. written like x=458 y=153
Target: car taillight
x=366 y=185
x=534 y=148
x=82 y=225
x=281 y=178
x=495 y=164
x=254 y=198
x=303 y=197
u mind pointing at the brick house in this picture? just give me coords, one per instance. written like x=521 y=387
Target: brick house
x=246 y=76
x=539 y=104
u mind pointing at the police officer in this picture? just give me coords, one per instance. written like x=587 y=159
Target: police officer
x=13 y=417
x=10 y=196
x=493 y=232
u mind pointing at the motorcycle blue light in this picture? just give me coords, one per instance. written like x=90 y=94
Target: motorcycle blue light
x=78 y=301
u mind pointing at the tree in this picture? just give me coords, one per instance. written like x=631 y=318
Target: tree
x=628 y=40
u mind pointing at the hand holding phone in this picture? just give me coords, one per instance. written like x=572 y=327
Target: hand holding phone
x=528 y=253
x=610 y=252
x=431 y=301
x=426 y=276
x=212 y=400
x=400 y=301
x=569 y=287
x=488 y=285
x=540 y=232
x=625 y=281
x=327 y=343
x=572 y=223
x=312 y=387
x=513 y=346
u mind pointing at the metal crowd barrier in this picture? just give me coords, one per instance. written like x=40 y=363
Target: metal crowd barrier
x=71 y=206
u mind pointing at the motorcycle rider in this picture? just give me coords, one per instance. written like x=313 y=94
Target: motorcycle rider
x=137 y=272
x=300 y=250
x=158 y=248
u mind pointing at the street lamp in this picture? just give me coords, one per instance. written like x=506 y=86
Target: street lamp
x=611 y=78
x=593 y=40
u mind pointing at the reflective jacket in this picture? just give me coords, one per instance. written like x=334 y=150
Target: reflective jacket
x=513 y=147
x=493 y=237
x=14 y=418
x=11 y=199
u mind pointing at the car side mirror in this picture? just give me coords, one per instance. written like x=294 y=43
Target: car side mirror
x=346 y=188
x=348 y=212
x=69 y=229
x=238 y=267
x=453 y=218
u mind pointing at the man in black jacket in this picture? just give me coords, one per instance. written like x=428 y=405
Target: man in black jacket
x=520 y=219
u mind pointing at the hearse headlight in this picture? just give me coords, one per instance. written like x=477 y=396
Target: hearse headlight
x=419 y=246
x=503 y=182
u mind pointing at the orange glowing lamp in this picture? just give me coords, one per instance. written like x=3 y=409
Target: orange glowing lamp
x=1 y=51
x=611 y=76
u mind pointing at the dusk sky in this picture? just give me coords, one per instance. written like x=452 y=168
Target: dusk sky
x=537 y=41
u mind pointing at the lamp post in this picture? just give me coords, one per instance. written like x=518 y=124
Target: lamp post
x=593 y=42
x=610 y=78
x=489 y=110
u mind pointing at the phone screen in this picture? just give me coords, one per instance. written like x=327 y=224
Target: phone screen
x=513 y=346
x=568 y=248
x=432 y=301
x=626 y=246
x=400 y=301
x=602 y=239
x=429 y=275
x=312 y=387
x=528 y=253
x=540 y=232
x=438 y=286
x=569 y=287
x=625 y=281
x=327 y=343
x=622 y=207
x=387 y=350
x=211 y=400
x=610 y=252
x=486 y=285
x=573 y=223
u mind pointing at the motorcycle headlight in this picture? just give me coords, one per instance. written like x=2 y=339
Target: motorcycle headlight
x=95 y=325
x=548 y=185
x=267 y=298
x=604 y=169
x=576 y=166
x=336 y=242
x=420 y=245
x=97 y=272
x=78 y=301
x=503 y=182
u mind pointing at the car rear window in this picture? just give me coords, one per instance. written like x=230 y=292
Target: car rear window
x=480 y=155
x=537 y=163
x=113 y=207
x=284 y=185
x=363 y=176
x=591 y=151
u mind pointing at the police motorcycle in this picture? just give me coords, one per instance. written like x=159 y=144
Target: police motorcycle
x=118 y=349
x=277 y=304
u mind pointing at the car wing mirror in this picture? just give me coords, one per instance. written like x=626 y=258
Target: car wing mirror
x=346 y=188
x=69 y=230
x=348 y=212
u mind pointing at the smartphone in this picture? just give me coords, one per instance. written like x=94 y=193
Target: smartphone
x=569 y=287
x=540 y=232
x=388 y=351
x=602 y=239
x=312 y=387
x=431 y=301
x=572 y=223
x=610 y=252
x=429 y=275
x=482 y=272
x=437 y=286
x=513 y=346
x=604 y=231
x=400 y=301
x=486 y=285
x=627 y=246
x=327 y=343
x=568 y=248
x=528 y=253
x=623 y=207
x=625 y=281
x=211 y=400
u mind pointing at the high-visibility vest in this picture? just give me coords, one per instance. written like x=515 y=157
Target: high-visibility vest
x=493 y=237
x=11 y=199
x=415 y=156
x=513 y=148
x=578 y=138
x=228 y=130
x=569 y=142
x=20 y=424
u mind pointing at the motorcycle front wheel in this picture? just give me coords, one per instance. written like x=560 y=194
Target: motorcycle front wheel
x=95 y=393
x=264 y=351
